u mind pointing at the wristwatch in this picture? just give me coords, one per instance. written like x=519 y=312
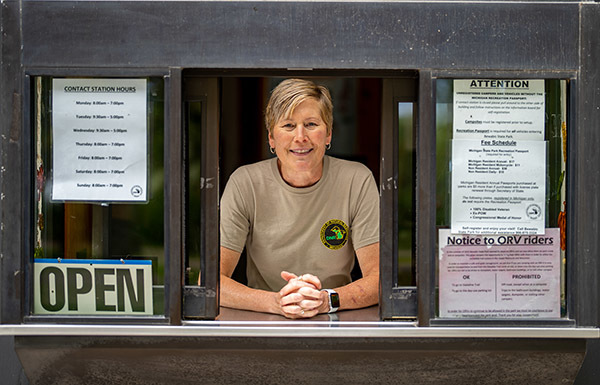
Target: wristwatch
x=334 y=300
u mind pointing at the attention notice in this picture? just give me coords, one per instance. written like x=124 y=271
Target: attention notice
x=499 y=109
x=498 y=157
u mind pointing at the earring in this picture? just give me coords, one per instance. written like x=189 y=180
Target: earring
x=272 y=150
x=328 y=146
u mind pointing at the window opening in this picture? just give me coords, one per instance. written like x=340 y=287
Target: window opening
x=406 y=153
x=195 y=182
x=507 y=150
x=243 y=140
x=86 y=233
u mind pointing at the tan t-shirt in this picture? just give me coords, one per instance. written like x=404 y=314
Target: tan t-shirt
x=312 y=230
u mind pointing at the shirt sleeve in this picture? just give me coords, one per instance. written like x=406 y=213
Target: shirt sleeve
x=235 y=215
x=365 y=222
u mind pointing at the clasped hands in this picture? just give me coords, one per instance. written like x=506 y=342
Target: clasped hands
x=302 y=297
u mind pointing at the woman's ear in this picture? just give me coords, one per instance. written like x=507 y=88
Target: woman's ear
x=271 y=140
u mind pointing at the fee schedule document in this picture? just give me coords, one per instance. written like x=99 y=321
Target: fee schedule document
x=498 y=186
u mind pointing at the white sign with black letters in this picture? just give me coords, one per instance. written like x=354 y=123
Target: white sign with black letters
x=99 y=132
x=92 y=287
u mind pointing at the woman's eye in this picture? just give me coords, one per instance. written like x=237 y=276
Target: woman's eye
x=289 y=126
x=311 y=124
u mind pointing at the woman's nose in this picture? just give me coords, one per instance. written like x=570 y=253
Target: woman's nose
x=300 y=133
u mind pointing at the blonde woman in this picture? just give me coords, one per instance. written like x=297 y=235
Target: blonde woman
x=301 y=216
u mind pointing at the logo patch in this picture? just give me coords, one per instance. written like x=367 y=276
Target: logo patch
x=334 y=234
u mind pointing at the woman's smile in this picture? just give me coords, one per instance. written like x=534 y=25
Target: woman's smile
x=301 y=151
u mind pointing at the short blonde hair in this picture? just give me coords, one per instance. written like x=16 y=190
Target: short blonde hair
x=289 y=94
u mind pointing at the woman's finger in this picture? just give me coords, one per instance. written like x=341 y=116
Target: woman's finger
x=288 y=276
x=291 y=299
x=294 y=285
x=296 y=312
x=312 y=279
x=310 y=304
x=309 y=292
x=293 y=310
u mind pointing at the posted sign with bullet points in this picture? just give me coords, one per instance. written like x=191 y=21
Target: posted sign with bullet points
x=99 y=138
x=498 y=186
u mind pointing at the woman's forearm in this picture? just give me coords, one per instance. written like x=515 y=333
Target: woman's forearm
x=365 y=291
x=238 y=296
x=360 y=293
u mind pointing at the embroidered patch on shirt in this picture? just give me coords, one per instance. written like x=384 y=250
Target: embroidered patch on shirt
x=334 y=234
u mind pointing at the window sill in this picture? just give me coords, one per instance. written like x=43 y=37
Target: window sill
x=362 y=323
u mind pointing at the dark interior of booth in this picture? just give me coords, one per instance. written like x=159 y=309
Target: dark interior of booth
x=243 y=136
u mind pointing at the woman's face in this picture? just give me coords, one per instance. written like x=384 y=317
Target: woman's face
x=299 y=142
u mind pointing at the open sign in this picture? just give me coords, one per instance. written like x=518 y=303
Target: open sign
x=98 y=287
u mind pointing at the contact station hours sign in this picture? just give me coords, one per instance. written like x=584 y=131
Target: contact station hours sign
x=99 y=132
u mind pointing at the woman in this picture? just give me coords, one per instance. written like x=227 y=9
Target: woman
x=301 y=216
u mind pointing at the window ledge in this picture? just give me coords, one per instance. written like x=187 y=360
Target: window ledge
x=299 y=329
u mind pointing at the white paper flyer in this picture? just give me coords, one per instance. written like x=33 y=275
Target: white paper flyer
x=498 y=187
x=99 y=132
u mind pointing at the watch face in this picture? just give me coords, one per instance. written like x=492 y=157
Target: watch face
x=335 y=300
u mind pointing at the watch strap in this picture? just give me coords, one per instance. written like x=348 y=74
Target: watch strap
x=334 y=300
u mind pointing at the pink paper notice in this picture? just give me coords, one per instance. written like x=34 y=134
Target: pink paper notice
x=499 y=276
